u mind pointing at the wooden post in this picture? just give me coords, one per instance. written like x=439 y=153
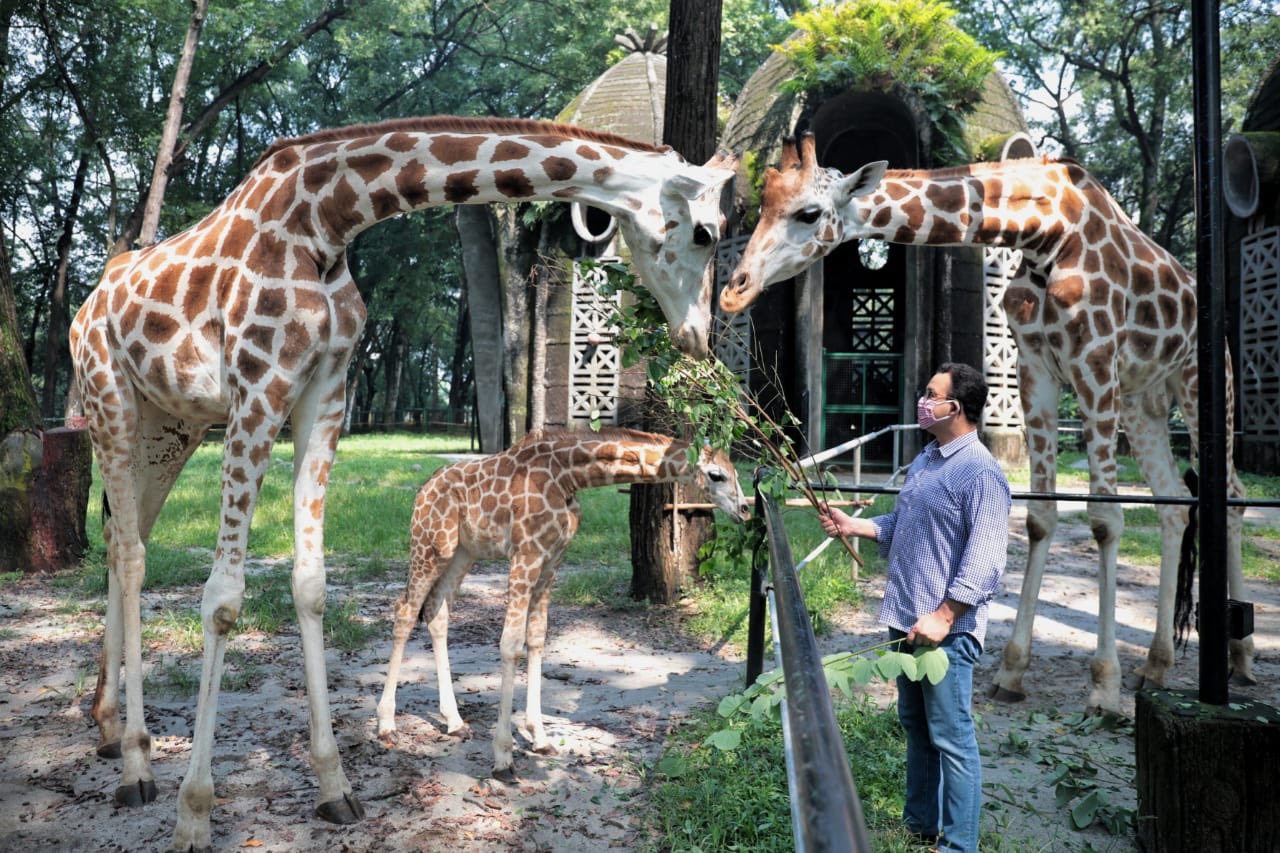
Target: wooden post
x=1207 y=775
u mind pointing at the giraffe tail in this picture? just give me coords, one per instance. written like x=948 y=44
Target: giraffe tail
x=1182 y=602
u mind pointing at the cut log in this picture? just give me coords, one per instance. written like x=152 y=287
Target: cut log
x=1207 y=775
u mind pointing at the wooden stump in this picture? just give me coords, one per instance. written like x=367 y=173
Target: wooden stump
x=1208 y=776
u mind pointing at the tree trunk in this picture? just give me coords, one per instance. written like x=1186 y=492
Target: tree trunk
x=541 y=278
x=172 y=123
x=395 y=372
x=659 y=570
x=459 y=378
x=44 y=478
x=484 y=299
x=56 y=360
x=1206 y=774
x=518 y=245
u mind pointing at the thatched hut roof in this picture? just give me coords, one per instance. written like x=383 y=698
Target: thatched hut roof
x=1264 y=108
x=626 y=99
x=763 y=114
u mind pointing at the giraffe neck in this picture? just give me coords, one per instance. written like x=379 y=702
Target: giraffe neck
x=331 y=186
x=1019 y=204
x=627 y=456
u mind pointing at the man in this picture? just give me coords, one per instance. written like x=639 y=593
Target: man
x=946 y=542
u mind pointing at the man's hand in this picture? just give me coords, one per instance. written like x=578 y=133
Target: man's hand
x=834 y=522
x=929 y=630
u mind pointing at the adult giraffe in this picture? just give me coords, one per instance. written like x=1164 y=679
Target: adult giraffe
x=1096 y=304
x=249 y=317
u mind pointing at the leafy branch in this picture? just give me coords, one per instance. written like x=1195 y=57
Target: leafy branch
x=707 y=395
x=843 y=670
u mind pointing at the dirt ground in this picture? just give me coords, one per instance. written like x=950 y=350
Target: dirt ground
x=616 y=683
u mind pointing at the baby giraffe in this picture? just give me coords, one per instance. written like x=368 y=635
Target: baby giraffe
x=522 y=504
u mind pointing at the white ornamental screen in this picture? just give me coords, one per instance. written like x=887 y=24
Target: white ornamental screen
x=594 y=359
x=999 y=350
x=731 y=333
x=1259 y=381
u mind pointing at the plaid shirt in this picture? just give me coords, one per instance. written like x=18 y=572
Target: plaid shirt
x=947 y=537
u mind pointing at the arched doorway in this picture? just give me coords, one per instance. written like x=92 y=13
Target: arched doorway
x=867 y=370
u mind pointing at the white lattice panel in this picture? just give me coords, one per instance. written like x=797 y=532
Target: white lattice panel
x=731 y=333
x=595 y=360
x=1259 y=382
x=999 y=350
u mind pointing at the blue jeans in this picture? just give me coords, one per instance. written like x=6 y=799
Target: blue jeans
x=944 y=770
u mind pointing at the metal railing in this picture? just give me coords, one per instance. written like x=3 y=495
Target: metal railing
x=826 y=814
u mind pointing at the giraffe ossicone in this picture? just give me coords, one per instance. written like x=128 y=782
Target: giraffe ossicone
x=1096 y=304
x=249 y=318
x=521 y=505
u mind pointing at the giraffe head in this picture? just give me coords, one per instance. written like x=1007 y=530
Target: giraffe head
x=806 y=213
x=673 y=237
x=719 y=479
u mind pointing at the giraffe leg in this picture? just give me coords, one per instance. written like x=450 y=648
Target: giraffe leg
x=537 y=632
x=245 y=455
x=163 y=446
x=1099 y=411
x=405 y=614
x=1240 y=651
x=317 y=424
x=1039 y=394
x=114 y=420
x=1146 y=424
x=438 y=626
x=524 y=571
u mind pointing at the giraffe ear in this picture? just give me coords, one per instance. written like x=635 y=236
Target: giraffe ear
x=689 y=186
x=859 y=183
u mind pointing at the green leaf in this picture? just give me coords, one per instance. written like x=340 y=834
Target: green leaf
x=725 y=740
x=1083 y=812
x=862 y=671
x=673 y=766
x=889 y=667
x=729 y=705
x=908 y=664
x=934 y=663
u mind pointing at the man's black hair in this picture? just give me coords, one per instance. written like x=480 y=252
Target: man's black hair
x=969 y=387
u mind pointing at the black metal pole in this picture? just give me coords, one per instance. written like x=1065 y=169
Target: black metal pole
x=1211 y=300
x=832 y=817
x=756 y=603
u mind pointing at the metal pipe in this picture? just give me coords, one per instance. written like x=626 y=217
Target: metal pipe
x=831 y=815
x=1077 y=497
x=1211 y=319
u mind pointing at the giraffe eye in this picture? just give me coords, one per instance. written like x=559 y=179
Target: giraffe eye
x=701 y=235
x=715 y=475
x=809 y=215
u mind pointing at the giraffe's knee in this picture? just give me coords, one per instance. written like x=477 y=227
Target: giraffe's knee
x=1041 y=522
x=220 y=608
x=309 y=593
x=1106 y=523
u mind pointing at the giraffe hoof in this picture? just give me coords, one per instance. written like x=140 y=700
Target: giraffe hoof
x=462 y=732
x=1004 y=694
x=1242 y=679
x=109 y=750
x=138 y=794
x=506 y=775
x=546 y=749
x=342 y=812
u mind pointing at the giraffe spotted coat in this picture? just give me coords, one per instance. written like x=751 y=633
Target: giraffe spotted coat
x=521 y=505
x=1096 y=305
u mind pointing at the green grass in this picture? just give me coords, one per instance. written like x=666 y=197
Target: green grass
x=702 y=798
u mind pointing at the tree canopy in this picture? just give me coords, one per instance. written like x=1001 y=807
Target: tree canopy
x=84 y=87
